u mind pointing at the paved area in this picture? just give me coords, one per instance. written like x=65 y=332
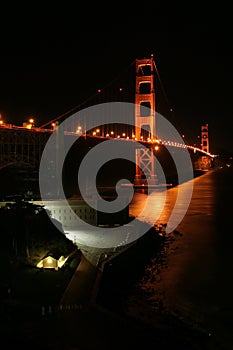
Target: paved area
x=83 y=287
x=79 y=290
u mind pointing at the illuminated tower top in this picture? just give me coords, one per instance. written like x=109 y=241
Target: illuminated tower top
x=205 y=138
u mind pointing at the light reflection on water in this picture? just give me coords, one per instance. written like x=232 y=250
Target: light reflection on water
x=195 y=280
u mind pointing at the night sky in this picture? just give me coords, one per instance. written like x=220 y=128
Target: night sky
x=45 y=73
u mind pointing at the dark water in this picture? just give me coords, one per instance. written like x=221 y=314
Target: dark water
x=190 y=273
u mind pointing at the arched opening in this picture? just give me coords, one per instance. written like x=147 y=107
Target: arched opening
x=145 y=109
x=145 y=132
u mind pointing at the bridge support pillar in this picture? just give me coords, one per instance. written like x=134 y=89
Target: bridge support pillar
x=145 y=121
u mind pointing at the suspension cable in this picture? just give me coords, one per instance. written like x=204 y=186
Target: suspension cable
x=82 y=103
x=162 y=87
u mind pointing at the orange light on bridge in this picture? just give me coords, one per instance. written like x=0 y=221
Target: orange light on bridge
x=54 y=125
x=79 y=130
x=29 y=124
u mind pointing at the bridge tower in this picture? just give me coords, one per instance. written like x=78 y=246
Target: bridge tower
x=205 y=138
x=205 y=160
x=145 y=122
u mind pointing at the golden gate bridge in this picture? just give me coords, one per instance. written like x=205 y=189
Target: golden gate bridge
x=24 y=144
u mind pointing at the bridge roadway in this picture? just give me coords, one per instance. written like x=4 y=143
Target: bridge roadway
x=19 y=145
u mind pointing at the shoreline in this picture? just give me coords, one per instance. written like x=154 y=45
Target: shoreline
x=166 y=277
x=152 y=313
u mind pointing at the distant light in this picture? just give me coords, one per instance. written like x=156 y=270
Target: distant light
x=99 y=90
x=79 y=130
x=120 y=89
